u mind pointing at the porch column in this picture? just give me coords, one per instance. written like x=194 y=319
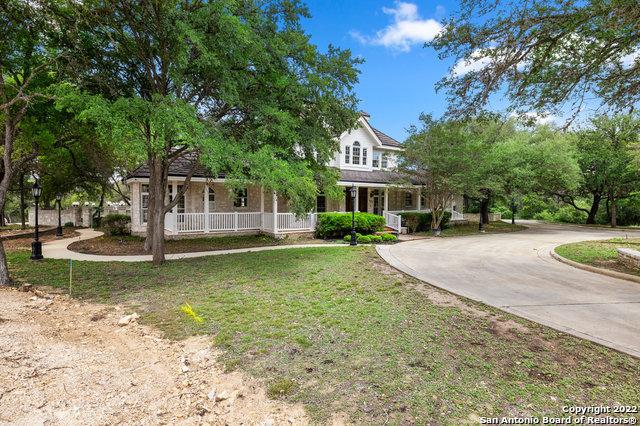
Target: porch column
x=386 y=199
x=356 y=204
x=275 y=212
x=174 y=211
x=261 y=207
x=206 y=207
x=419 y=199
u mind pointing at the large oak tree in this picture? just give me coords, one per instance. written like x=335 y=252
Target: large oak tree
x=234 y=85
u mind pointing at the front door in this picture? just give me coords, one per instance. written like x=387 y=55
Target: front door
x=378 y=201
x=363 y=200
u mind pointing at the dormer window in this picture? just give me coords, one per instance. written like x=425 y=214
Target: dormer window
x=364 y=156
x=347 y=154
x=355 y=158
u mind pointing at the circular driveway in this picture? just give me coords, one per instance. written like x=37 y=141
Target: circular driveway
x=516 y=273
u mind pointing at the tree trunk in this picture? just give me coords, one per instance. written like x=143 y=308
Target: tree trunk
x=23 y=206
x=158 y=181
x=614 y=218
x=157 y=247
x=593 y=211
x=484 y=210
x=5 y=279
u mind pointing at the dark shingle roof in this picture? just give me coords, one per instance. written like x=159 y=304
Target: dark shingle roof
x=386 y=139
x=373 y=176
x=179 y=167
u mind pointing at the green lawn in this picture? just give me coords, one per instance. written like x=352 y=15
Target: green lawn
x=600 y=253
x=338 y=330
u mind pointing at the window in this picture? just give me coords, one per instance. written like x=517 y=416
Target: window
x=144 y=203
x=376 y=160
x=385 y=161
x=211 y=200
x=408 y=199
x=241 y=198
x=355 y=158
x=423 y=201
x=181 y=201
x=364 y=156
x=347 y=154
x=321 y=203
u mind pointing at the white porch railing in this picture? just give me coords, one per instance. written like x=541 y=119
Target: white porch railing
x=289 y=222
x=392 y=221
x=237 y=221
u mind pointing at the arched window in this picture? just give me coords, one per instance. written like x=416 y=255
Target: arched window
x=355 y=156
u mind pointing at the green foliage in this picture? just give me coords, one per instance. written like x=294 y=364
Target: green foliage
x=386 y=237
x=116 y=224
x=376 y=239
x=542 y=55
x=68 y=224
x=364 y=239
x=421 y=222
x=337 y=225
x=281 y=388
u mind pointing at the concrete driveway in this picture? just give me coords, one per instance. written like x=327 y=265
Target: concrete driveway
x=515 y=272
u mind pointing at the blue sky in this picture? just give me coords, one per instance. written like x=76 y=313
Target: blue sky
x=399 y=74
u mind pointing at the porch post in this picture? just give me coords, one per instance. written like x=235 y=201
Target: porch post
x=419 y=199
x=261 y=207
x=174 y=211
x=386 y=199
x=275 y=212
x=206 y=207
x=356 y=204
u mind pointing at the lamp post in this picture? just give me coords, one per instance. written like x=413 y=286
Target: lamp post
x=59 y=228
x=36 y=245
x=353 y=242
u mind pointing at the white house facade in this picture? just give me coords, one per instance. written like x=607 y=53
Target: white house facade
x=366 y=161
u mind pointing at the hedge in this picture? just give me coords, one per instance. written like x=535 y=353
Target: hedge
x=116 y=224
x=337 y=225
x=421 y=222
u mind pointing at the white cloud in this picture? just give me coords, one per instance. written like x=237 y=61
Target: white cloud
x=476 y=62
x=407 y=29
x=627 y=61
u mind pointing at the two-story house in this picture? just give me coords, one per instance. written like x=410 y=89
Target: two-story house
x=366 y=161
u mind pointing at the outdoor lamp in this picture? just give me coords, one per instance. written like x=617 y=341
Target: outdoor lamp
x=36 y=245
x=59 y=228
x=353 y=192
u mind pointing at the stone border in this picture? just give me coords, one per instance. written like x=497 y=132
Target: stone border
x=601 y=271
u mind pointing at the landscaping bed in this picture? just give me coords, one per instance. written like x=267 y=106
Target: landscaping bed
x=601 y=254
x=24 y=242
x=340 y=331
x=457 y=230
x=133 y=245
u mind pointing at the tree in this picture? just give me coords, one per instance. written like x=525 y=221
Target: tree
x=544 y=54
x=25 y=63
x=441 y=157
x=235 y=86
x=606 y=154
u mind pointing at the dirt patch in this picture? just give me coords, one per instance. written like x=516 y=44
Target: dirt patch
x=25 y=242
x=64 y=362
x=133 y=245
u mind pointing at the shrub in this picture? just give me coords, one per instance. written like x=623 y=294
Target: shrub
x=376 y=238
x=116 y=224
x=389 y=238
x=337 y=225
x=364 y=239
x=68 y=224
x=421 y=222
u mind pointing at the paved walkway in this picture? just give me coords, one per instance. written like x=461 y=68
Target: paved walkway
x=58 y=250
x=515 y=272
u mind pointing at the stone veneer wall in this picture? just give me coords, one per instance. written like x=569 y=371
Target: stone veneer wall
x=629 y=257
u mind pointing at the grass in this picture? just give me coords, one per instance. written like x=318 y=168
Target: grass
x=338 y=330
x=472 y=229
x=602 y=254
x=132 y=245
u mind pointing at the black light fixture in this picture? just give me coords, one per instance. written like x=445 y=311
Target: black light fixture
x=353 y=192
x=59 y=228
x=36 y=245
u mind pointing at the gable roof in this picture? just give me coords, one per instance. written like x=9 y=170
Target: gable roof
x=179 y=167
x=385 y=139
